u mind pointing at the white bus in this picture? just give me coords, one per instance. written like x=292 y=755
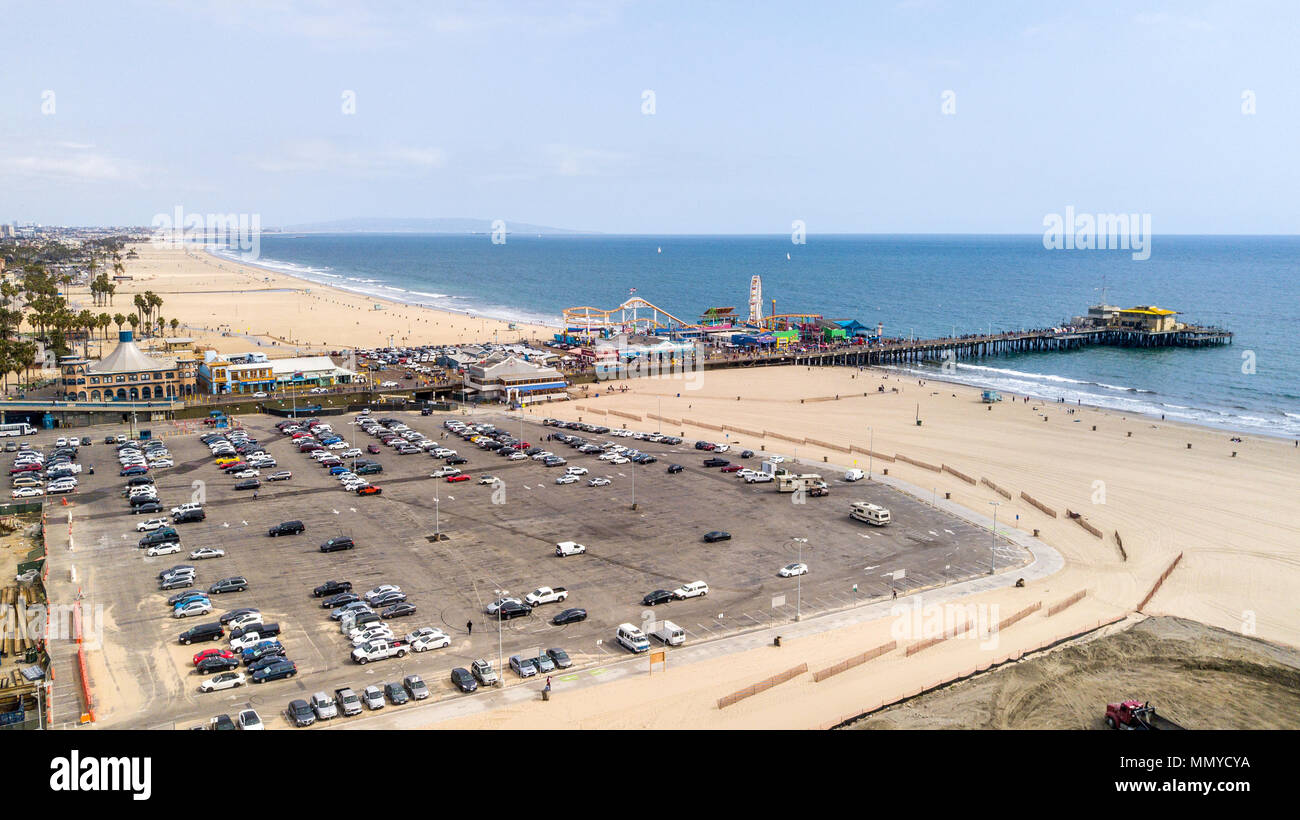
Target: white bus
x=17 y=430
x=870 y=513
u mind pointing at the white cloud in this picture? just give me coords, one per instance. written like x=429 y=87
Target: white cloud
x=81 y=167
x=315 y=156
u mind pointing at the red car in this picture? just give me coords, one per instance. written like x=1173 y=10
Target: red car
x=372 y=448
x=208 y=653
x=368 y=491
x=732 y=468
x=452 y=479
x=25 y=468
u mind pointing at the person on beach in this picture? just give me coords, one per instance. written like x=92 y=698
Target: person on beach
x=469 y=627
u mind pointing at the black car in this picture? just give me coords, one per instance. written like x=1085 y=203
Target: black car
x=659 y=596
x=396 y=693
x=716 y=462
x=560 y=658
x=511 y=609
x=338 y=542
x=216 y=663
x=716 y=535
x=280 y=669
x=186 y=516
x=569 y=616
x=674 y=468
x=262 y=630
x=397 y=610
x=299 y=713
x=235 y=613
x=189 y=568
x=463 y=680
x=457 y=460
x=235 y=583
x=286 y=528
x=202 y=632
x=248 y=484
x=341 y=599
x=263 y=655
x=223 y=723
x=150 y=506
x=142 y=500
x=388 y=598
x=332 y=588
x=746 y=453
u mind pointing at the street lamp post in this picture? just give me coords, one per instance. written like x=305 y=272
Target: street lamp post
x=501 y=594
x=798 y=606
x=871 y=447
x=993 y=548
x=437 y=515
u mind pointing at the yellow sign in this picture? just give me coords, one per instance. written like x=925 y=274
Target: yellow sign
x=658 y=657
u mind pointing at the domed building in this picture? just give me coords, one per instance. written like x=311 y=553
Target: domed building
x=127 y=374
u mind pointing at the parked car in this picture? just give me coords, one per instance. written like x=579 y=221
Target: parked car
x=287 y=528
x=523 y=667
x=338 y=542
x=463 y=680
x=716 y=535
x=396 y=694
x=235 y=583
x=569 y=616
x=373 y=697
x=300 y=713
x=278 y=670
x=659 y=596
x=332 y=588
x=224 y=680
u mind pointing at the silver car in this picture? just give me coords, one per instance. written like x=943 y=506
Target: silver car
x=373 y=697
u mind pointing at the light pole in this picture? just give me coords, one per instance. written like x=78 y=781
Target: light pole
x=501 y=594
x=798 y=606
x=437 y=515
x=993 y=549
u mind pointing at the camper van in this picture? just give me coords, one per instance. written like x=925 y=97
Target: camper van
x=791 y=482
x=632 y=638
x=870 y=513
x=854 y=475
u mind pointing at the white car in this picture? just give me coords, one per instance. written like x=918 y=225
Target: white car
x=194 y=608
x=618 y=460
x=163 y=549
x=567 y=478
x=226 y=680
x=516 y=456
x=246 y=640
x=162 y=463
x=318 y=390
x=388 y=384
x=746 y=472
x=433 y=639
x=758 y=478
x=193 y=505
x=443 y=472
x=367 y=635
x=382 y=589
x=443 y=452
x=495 y=605
x=598 y=481
x=791 y=570
x=247 y=618
x=207 y=552
x=250 y=473
x=27 y=492
x=338 y=445
x=543 y=455
x=249 y=720
x=259 y=395
x=776 y=459
x=576 y=470
x=352 y=452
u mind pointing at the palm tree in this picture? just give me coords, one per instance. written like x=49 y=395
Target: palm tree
x=133 y=320
x=175 y=323
x=119 y=320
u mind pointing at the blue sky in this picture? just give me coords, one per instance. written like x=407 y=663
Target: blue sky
x=764 y=113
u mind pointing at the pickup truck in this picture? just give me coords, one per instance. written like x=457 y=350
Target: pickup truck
x=380 y=650
x=546 y=595
x=349 y=703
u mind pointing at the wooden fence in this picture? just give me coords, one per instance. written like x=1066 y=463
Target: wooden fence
x=1004 y=493
x=1159 y=582
x=1061 y=606
x=761 y=686
x=1040 y=506
x=857 y=660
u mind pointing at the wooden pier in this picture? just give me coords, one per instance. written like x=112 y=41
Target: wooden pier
x=971 y=347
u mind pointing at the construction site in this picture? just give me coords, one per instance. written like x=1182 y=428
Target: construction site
x=23 y=614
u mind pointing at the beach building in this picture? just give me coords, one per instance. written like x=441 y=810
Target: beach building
x=222 y=375
x=127 y=374
x=514 y=379
x=1148 y=318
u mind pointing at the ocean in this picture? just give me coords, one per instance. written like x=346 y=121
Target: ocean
x=922 y=285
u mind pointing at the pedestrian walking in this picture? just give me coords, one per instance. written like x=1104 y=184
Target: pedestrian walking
x=548 y=683
x=254 y=495
x=469 y=627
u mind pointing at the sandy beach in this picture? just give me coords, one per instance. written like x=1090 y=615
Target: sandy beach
x=252 y=306
x=1164 y=489
x=1227 y=516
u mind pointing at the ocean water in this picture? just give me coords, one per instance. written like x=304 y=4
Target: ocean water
x=914 y=285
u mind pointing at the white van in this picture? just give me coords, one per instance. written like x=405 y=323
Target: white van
x=870 y=513
x=569 y=548
x=691 y=590
x=632 y=638
x=854 y=475
x=670 y=633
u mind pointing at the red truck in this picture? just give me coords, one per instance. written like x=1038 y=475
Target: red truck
x=1132 y=714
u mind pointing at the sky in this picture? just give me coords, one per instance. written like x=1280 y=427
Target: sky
x=655 y=117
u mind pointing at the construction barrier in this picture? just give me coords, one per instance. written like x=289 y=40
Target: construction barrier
x=1040 y=506
x=702 y=424
x=838 y=447
x=621 y=414
x=81 y=662
x=960 y=475
x=733 y=429
x=1004 y=493
x=1159 y=582
x=857 y=660
x=1067 y=603
x=792 y=439
x=915 y=463
x=929 y=642
x=853 y=448
x=1082 y=522
x=1019 y=616
x=762 y=686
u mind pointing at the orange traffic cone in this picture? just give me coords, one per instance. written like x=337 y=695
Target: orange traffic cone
x=64 y=500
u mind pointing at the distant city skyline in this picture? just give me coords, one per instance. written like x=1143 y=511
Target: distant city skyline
x=917 y=116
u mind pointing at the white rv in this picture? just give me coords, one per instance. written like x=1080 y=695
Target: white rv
x=870 y=513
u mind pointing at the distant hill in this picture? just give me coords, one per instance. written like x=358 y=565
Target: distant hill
x=447 y=225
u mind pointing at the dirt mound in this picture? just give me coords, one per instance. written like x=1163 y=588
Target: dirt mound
x=1197 y=675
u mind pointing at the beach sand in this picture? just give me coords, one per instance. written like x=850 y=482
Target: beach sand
x=212 y=296
x=1230 y=518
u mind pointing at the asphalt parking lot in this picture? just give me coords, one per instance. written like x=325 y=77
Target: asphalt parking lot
x=496 y=538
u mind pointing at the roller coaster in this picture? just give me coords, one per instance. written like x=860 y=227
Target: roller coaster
x=636 y=315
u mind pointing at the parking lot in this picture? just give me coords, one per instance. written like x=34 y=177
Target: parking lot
x=496 y=538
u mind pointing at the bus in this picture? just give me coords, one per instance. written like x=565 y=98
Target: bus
x=17 y=430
